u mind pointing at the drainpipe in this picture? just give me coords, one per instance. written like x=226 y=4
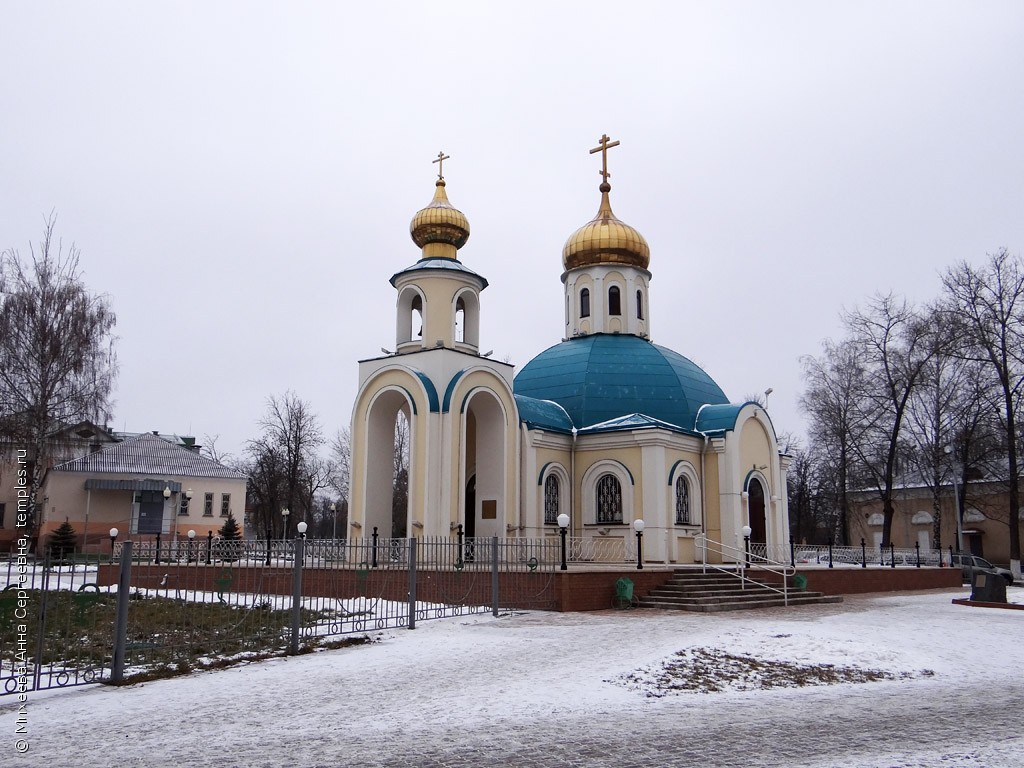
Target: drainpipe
x=572 y=480
x=703 y=496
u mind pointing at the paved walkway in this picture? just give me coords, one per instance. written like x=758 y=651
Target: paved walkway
x=533 y=690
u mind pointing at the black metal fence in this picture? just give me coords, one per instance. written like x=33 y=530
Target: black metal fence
x=153 y=608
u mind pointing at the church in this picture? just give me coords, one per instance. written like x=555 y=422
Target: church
x=605 y=426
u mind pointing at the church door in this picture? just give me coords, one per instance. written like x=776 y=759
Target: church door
x=756 y=511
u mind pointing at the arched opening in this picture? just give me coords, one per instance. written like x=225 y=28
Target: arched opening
x=756 y=511
x=416 y=318
x=389 y=438
x=639 y=305
x=585 y=302
x=485 y=429
x=460 y=320
x=614 y=301
x=467 y=318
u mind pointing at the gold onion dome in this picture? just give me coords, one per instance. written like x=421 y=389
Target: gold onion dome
x=605 y=240
x=440 y=229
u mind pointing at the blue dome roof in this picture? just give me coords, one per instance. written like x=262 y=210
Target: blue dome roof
x=602 y=377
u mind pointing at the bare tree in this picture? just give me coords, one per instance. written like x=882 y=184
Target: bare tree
x=285 y=471
x=894 y=342
x=832 y=401
x=989 y=302
x=57 y=361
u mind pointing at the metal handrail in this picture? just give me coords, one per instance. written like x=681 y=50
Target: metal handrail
x=745 y=560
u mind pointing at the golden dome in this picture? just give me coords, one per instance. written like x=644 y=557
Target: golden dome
x=605 y=240
x=440 y=229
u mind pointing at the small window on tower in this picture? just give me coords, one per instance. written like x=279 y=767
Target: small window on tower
x=585 y=302
x=639 y=305
x=614 y=303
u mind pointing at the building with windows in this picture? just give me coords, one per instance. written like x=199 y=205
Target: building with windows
x=605 y=426
x=143 y=485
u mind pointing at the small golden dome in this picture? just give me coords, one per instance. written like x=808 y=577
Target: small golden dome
x=440 y=229
x=605 y=240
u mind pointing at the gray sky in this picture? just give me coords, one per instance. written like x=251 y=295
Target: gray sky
x=240 y=176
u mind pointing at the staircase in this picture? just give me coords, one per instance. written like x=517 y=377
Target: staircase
x=693 y=590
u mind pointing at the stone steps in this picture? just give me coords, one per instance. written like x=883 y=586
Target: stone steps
x=713 y=592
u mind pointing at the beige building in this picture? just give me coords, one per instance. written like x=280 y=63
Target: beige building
x=984 y=530
x=605 y=426
x=143 y=485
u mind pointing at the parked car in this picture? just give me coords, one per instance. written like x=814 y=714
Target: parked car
x=970 y=563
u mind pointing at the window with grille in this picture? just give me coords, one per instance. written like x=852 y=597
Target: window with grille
x=225 y=504
x=208 y=505
x=551 y=500
x=682 y=501
x=609 y=500
x=182 y=504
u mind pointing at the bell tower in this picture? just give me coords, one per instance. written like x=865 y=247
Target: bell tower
x=438 y=297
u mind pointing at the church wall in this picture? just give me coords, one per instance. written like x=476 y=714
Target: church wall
x=438 y=294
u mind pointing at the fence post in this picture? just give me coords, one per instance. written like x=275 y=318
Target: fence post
x=374 y=538
x=158 y=547
x=412 y=582
x=881 y=555
x=121 y=617
x=209 y=546
x=792 y=553
x=830 y=554
x=494 y=574
x=296 y=597
x=892 y=554
x=863 y=554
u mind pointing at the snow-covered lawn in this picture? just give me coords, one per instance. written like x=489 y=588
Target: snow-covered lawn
x=880 y=680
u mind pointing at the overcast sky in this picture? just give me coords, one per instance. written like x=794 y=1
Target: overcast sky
x=240 y=176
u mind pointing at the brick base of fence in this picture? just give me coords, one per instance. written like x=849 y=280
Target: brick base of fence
x=589 y=590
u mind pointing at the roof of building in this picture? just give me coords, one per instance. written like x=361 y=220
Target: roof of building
x=718 y=417
x=543 y=414
x=602 y=377
x=149 y=454
x=447 y=265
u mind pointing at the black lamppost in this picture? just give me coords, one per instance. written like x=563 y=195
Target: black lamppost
x=747 y=530
x=563 y=531
x=284 y=516
x=638 y=526
x=191 y=541
x=113 y=538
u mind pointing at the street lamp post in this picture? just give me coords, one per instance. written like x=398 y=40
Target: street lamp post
x=638 y=526
x=284 y=516
x=113 y=538
x=563 y=530
x=954 y=469
x=191 y=540
x=334 y=515
x=301 y=528
x=747 y=530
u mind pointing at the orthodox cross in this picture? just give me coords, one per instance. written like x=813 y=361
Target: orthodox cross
x=441 y=157
x=603 y=146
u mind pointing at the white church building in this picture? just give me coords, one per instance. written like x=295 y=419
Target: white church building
x=605 y=426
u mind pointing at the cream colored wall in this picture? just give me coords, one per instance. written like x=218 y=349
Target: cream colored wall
x=94 y=513
x=439 y=290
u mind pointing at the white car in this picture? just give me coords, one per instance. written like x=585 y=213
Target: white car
x=970 y=563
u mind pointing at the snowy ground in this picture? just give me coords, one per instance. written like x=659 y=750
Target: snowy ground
x=635 y=688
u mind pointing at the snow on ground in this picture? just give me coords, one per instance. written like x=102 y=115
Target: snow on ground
x=543 y=689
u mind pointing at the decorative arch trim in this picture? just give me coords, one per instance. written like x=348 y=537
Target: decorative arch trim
x=431 y=391
x=450 y=390
x=922 y=518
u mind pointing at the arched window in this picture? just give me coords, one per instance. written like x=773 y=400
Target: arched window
x=416 y=332
x=609 y=500
x=639 y=305
x=460 y=320
x=682 y=501
x=585 y=302
x=551 y=500
x=614 y=302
